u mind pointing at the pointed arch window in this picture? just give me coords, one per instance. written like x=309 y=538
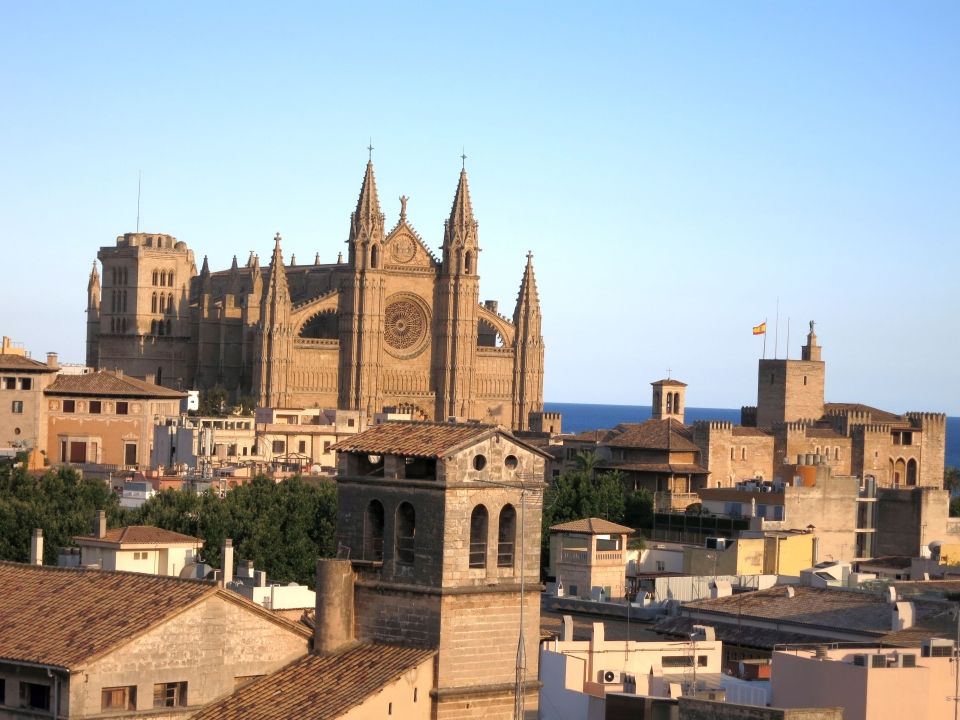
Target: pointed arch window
x=153 y=302
x=375 y=256
x=373 y=531
x=506 y=536
x=154 y=277
x=170 y=302
x=406 y=528
x=468 y=263
x=669 y=403
x=163 y=302
x=170 y=279
x=676 y=402
x=478 y=537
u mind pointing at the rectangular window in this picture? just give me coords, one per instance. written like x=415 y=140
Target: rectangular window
x=69 y=406
x=130 y=453
x=34 y=695
x=119 y=698
x=170 y=694
x=9 y=383
x=16 y=407
x=96 y=407
x=303 y=447
x=78 y=451
x=279 y=446
x=661 y=566
x=3 y=691
x=123 y=408
x=350 y=422
x=26 y=383
x=326 y=446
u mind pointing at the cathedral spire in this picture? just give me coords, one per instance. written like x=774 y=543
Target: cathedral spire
x=233 y=265
x=367 y=220
x=205 y=268
x=528 y=299
x=94 y=277
x=277 y=289
x=461 y=227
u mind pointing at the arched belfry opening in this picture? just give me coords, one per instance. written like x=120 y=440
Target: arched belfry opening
x=479 y=522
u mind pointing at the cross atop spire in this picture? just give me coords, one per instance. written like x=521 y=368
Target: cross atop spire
x=276 y=240
x=463 y=158
x=370 y=151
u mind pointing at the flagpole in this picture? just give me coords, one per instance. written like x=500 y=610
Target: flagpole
x=776 y=332
x=764 y=338
x=788 y=338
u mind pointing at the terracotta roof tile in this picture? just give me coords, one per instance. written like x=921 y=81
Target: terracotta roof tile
x=414 y=439
x=876 y=415
x=140 y=535
x=318 y=686
x=669 y=382
x=593 y=526
x=652 y=435
x=742 y=431
x=679 y=468
x=863 y=612
x=66 y=616
x=19 y=363
x=108 y=384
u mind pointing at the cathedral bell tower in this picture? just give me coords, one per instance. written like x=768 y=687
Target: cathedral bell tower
x=361 y=310
x=457 y=297
x=275 y=341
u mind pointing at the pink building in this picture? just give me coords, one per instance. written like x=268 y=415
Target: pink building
x=869 y=683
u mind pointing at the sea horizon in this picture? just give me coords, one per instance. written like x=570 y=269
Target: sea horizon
x=578 y=417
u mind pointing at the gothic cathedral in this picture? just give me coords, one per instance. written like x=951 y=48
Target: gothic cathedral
x=392 y=326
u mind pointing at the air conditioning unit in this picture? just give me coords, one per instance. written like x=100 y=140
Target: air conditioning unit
x=860 y=660
x=878 y=661
x=609 y=676
x=908 y=661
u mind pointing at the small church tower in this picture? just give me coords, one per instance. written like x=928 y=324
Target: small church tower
x=457 y=296
x=669 y=400
x=93 y=318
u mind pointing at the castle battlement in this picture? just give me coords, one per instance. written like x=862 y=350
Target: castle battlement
x=713 y=425
x=924 y=419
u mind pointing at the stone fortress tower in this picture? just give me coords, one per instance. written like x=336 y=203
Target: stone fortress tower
x=392 y=325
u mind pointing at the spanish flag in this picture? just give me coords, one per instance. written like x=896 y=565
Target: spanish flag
x=760 y=329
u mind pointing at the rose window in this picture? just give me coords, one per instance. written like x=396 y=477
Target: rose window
x=405 y=324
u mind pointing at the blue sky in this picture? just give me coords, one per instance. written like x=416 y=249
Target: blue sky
x=675 y=168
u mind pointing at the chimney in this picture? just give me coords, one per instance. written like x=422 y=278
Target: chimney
x=52 y=360
x=100 y=525
x=36 y=547
x=226 y=560
x=333 y=622
x=260 y=578
x=904 y=614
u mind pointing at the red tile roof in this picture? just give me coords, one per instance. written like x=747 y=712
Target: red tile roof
x=19 y=363
x=107 y=384
x=141 y=535
x=876 y=415
x=670 y=382
x=652 y=435
x=69 y=616
x=675 y=468
x=593 y=526
x=422 y=439
x=319 y=686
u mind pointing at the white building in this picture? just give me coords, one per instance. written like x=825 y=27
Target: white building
x=578 y=675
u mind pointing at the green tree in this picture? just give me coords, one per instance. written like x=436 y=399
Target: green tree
x=951 y=480
x=282 y=527
x=61 y=503
x=213 y=402
x=638 y=509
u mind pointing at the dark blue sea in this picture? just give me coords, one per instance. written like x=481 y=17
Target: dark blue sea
x=579 y=416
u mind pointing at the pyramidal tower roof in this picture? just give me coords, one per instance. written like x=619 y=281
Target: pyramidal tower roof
x=94 y=276
x=461 y=213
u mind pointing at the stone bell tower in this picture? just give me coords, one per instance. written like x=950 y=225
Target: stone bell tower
x=669 y=400
x=442 y=524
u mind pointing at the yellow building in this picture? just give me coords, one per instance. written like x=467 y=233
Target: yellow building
x=765 y=553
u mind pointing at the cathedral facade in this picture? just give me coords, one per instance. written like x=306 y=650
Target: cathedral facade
x=391 y=325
